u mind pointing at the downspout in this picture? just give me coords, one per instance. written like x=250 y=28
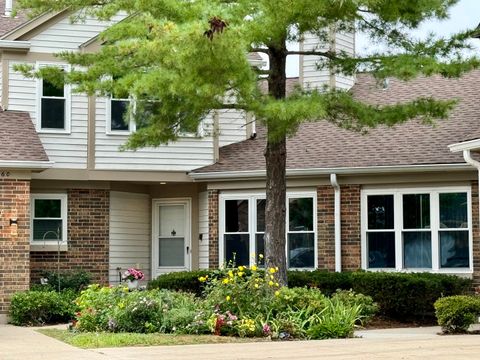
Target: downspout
x=338 y=223
x=468 y=159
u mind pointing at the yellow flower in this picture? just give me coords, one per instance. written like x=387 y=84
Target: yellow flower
x=226 y=281
x=271 y=270
x=228 y=298
x=240 y=273
x=241 y=268
x=272 y=277
x=277 y=293
x=230 y=273
x=202 y=278
x=270 y=283
x=256 y=286
x=260 y=256
x=277 y=284
x=254 y=268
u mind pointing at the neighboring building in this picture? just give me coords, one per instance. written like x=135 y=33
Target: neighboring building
x=393 y=199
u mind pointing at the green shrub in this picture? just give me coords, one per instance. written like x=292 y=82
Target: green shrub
x=368 y=308
x=186 y=281
x=337 y=320
x=401 y=296
x=42 y=307
x=115 y=309
x=73 y=280
x=455 y=314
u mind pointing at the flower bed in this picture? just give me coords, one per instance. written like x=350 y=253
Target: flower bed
x=236 y=302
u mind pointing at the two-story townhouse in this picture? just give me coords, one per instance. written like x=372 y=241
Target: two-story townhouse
x=69 y=197
x=395 y=199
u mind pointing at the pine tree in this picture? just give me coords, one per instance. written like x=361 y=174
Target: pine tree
x=181 y=59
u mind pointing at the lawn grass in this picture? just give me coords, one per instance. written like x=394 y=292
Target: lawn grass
x=104 y=340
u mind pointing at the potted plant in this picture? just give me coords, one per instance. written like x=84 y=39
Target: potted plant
x=131 y=277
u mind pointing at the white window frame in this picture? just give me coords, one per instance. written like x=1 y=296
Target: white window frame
x=252 y=198
x=64 y=214
x=68 y=102
x=434 y=193
x=108 y=119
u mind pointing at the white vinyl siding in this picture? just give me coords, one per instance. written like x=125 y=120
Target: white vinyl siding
x=203 y=230
x=185 y=154
x=344 y=42
x=67 y=36
x=66 y=150
x=312 y=77
x=130 y=228
x=233 y=127
x=316 y=79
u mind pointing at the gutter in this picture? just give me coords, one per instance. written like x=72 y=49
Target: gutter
x=253 y=174
x=338 y=223
x=25 y=165
x=12 y=45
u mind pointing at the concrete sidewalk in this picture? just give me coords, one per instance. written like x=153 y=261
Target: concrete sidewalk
x=408 y=343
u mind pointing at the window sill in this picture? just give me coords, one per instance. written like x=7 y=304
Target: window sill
x=119 y=133
x=464 y=272
x=48 y=247
x=58 y=132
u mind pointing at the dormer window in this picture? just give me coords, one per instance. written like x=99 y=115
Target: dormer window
x=53 y=110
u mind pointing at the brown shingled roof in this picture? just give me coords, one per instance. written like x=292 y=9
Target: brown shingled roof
x=323 y=145
x=18 y=139
x=8 y=23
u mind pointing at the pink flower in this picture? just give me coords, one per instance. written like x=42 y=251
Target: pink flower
x=266 y=329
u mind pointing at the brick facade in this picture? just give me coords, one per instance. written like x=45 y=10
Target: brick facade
x=88 y=238
x=213 y=229
x=14 y=239
x=351 y=231
x=326 y=227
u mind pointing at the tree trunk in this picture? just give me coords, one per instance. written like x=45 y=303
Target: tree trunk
x=275 y=158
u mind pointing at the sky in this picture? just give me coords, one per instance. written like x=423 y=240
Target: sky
x=464 y=15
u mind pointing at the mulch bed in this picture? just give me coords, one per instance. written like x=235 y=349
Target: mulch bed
x=379 y=322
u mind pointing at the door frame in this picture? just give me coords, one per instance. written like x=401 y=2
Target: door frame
x=156 y=203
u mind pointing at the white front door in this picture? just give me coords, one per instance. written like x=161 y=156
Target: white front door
x=171 y=236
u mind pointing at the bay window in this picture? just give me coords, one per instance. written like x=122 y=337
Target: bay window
x=242 y=229
x=426 y=229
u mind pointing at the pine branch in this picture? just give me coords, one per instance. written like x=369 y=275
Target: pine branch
x=328 y=54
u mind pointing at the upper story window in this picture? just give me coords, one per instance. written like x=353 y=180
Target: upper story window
x=419 y=229
x=49 y=218
x=118 y=120
x=53 y=110
x=242 y=229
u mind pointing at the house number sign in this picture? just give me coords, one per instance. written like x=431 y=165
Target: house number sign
x=4 y=174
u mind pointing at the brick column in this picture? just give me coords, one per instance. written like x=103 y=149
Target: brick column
x=326 y=227
x=213 y=229
x=14 y=240
x=475 y=234
x=88 y=237
x=351 y=248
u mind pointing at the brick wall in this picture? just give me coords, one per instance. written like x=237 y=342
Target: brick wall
x=351 y=246
x=213 y=229
x=476 y=234
x=326 y=227
x=14 y=239
x=88 y=237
